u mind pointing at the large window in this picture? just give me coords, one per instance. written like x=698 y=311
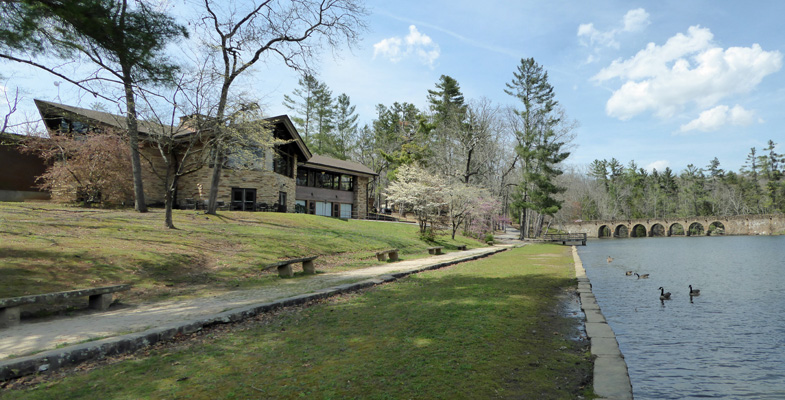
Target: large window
x=283 y=164
x=324 y=179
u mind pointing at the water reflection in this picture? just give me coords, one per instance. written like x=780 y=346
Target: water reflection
x=728 y=343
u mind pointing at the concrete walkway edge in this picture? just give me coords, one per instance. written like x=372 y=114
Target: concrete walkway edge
x=611 y=378
x=72 y=355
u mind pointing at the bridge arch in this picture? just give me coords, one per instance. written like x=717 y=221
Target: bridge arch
x=604 y=232
x=657 y=230
x=676 y=229
x=638 y=230
x=621 y=231
x=696 y=229
x=716 y=228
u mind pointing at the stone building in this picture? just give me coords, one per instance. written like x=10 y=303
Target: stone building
x=288 y=178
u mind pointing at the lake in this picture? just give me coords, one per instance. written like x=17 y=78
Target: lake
x=729 y=342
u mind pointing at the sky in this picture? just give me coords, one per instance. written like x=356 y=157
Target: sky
x=664 y=83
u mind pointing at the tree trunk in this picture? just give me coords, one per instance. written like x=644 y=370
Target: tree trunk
x=133 y=142
x=171 y=186
x=212 y=199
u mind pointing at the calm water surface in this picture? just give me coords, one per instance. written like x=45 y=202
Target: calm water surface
x=729 y=342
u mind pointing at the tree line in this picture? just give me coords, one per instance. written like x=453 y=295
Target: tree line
x=607 y=189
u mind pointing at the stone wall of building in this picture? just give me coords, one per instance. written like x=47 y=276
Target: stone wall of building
x=154 y=185
x=267 y=184
x=360 y=203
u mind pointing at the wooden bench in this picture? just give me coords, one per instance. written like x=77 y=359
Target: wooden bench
x=285 y=266
x=100 y=299
x=461 y=247
x=435 y=250
x=382 y=255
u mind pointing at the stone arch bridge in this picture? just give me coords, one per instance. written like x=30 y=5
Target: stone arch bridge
x=690 y=226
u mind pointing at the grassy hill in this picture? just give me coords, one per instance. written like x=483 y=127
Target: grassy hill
x=47 y=247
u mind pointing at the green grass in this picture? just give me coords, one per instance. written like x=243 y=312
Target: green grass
x=483 y=329
x=48 y=247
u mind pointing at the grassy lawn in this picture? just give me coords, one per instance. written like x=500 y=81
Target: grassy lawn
x=48 y=247
x=484 y=329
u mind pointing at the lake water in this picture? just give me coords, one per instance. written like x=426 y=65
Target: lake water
x=729 y=342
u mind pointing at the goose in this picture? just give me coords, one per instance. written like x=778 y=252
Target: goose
x=610 y=259
x=694 y=292
x=663 y=295
x=644 y=276
x=629 y=273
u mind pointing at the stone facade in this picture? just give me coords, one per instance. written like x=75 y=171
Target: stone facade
x=360 y=204
x=267 y=183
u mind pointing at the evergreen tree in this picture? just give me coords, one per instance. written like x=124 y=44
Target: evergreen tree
x=345 y=126
x=302 y=103
x=323 y=140
x=538 y=147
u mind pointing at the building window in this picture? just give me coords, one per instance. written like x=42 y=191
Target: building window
x=302 y=177
x=243 y=199
x=347 y=182
x=324 y=179
x=283 y=164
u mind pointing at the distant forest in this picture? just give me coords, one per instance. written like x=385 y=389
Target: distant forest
x=607 y=189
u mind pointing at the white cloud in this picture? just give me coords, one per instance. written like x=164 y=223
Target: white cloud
x=389 y=48
x=414 y=44
x=634 y=21
x=659 y=165
x=687 y=69
x=717 y=117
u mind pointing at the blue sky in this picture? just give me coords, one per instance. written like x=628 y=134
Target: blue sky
x=665 y=83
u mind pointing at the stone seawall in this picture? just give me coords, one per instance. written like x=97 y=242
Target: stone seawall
x=611 y=379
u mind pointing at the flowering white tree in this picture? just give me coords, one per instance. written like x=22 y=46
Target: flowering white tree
x=416 y=189
x=462 y=200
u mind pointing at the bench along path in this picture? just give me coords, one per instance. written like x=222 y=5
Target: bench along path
x=33 y=336
x=99 y=299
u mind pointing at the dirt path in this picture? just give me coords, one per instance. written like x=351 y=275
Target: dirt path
x=32 y=337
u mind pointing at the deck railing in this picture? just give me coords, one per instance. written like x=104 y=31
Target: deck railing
x=565 y=237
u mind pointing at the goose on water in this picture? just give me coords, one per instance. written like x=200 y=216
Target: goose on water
x=610 y=258
x=664 y=295
x=694 y=292
x=644 y=276
x=629 y=273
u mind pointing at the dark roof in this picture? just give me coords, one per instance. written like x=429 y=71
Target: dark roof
x=334 y=164
x=48 y=109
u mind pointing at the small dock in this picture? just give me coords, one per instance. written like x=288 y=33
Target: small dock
x=566 y=238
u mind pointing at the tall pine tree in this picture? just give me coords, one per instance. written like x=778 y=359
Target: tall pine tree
x=538 y=145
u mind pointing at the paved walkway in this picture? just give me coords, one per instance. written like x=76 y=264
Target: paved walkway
x=32 y=336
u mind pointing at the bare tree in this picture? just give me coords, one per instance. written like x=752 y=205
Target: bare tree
x=245 y=32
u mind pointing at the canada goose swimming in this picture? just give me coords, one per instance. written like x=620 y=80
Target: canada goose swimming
x=629 y=273
x=610 y=259
x=694 y=292
x=663 y=295
x=644 y=276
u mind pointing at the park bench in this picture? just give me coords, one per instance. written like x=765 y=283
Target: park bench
x=99 y=299
x=461 y=247
x=382 y=255
x=435 y=250
x=285 y=266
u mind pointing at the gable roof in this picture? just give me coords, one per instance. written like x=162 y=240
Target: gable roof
x=336 y=165
x=49 y=110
